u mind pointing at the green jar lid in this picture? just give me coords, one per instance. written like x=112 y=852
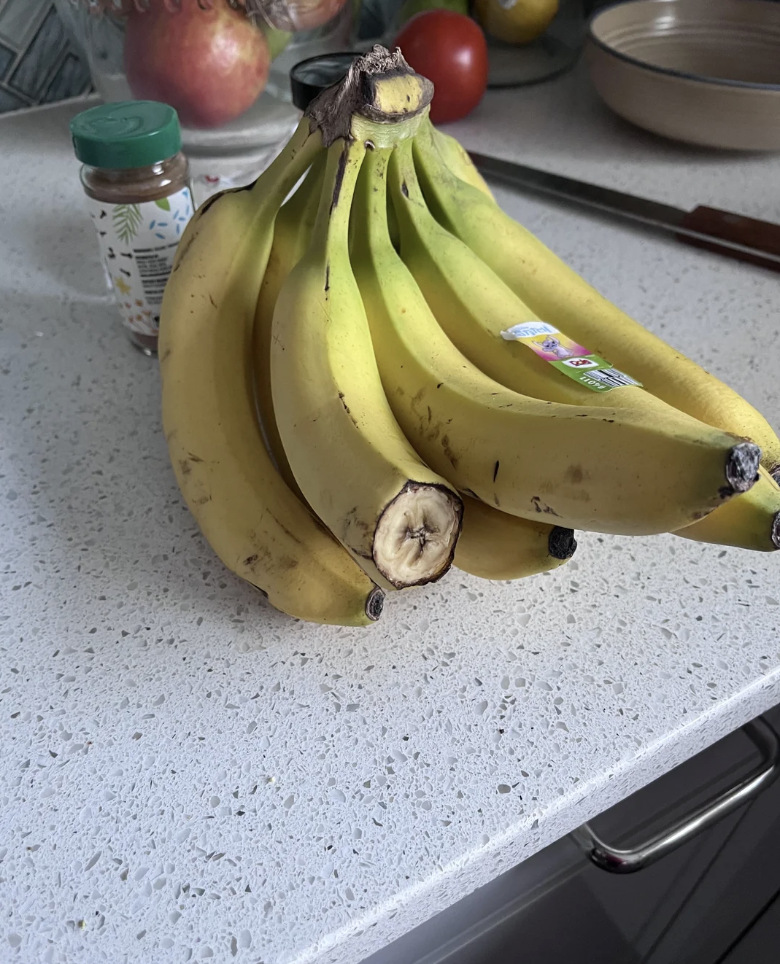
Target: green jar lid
x=131 y=133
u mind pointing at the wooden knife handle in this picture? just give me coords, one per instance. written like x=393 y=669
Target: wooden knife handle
x=759 y=235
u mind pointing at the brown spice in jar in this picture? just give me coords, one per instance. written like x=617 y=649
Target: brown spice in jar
x=137 y=183
x=134 y=186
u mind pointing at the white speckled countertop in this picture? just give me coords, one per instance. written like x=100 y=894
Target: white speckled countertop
x=187 y=774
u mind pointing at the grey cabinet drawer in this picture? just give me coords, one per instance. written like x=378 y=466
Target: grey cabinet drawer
x=642 y=917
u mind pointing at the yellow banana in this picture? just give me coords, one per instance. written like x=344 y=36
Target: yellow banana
x=559 y=296
x=575 y=466
x=396 y=517
x=456 y=157
x=492 y=544
x=474 y=306
x=252 y=520
x=292 y=233
x=495 y=545
x=749 y=521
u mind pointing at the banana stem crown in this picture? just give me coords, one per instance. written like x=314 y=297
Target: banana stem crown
x=380 y=99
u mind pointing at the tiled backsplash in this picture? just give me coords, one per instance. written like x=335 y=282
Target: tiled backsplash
x=38 y=61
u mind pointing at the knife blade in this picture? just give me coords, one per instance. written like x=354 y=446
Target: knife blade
x=733 y=235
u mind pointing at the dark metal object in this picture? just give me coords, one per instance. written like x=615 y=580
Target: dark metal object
x=309 y=77
x=743 y=238
x=618 y=861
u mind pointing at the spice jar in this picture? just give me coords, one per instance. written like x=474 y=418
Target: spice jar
x=137 y=184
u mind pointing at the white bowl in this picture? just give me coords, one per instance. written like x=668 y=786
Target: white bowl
x=702 y=71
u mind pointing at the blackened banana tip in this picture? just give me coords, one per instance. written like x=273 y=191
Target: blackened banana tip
x=561 y=543
x=375 y=603
x=776 y=531
x=742 y=466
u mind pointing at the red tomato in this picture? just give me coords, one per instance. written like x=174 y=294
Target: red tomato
x=449 y=49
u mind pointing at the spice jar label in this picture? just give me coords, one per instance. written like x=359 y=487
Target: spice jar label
x=138 y=243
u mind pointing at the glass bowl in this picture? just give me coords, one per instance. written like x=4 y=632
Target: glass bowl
x=234 y=153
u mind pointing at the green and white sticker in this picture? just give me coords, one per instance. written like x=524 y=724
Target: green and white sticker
x=575 y=361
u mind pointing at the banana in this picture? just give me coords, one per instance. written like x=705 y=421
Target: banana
x=559 y=296
x=355 y=468
x=292 y=232
x=456 y=157
x=474 y=306
x=574 y=466
x=252 y=520
x=495 y=545
x=749 y=521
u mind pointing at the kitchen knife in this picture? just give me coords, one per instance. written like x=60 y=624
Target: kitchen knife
x=746 y=239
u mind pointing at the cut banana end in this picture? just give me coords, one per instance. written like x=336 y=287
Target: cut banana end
x=414 y=542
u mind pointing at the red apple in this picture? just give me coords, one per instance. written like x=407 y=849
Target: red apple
x=210 y=64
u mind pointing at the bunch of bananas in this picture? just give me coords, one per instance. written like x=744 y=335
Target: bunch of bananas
x=361 y=382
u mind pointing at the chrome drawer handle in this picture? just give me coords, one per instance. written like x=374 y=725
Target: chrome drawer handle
x=628 y=861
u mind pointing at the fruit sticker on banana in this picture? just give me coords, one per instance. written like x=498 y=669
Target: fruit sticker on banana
x=576 y=361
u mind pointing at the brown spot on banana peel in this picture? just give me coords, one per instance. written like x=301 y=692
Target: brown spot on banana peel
x=542 y=507
x=181 y=254
x=285 y=530
x=561 y=543
x=262 y=556
x=339 y=179
x=495 y=470
x=327 y=277
x=351 y=523
x=453 y=458
x=209 y=202
x=346 y=409
x=404 y=189
x=574 y=474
